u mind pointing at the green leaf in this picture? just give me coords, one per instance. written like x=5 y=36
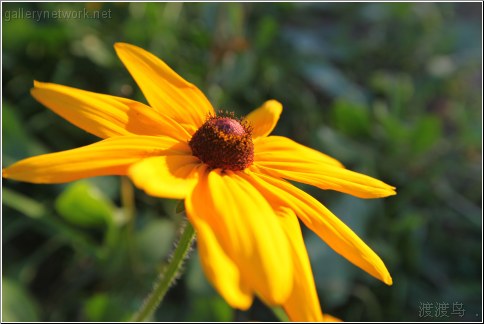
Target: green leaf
x=396 y=131
x=212 y=309
x=19 y=144
x=17 y=304
x=95 y=307
x=427 y=132
x=397 y=87
x=22 y=203
x=351 y=118
x=267 y=31
x=331 y=81
x=155 y=240
x=104 y=307
x=82 y=204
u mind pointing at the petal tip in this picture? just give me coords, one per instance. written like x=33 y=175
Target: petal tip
x=388 y=280
x=39 y=84
x=274 y=105
x=265 y=118
x=392 y=191
x=120 y=44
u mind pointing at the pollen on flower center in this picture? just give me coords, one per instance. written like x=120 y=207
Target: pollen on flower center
x=224 y=142
x=228 y=126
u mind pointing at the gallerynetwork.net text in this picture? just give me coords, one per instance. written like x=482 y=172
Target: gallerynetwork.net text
x=39 y=15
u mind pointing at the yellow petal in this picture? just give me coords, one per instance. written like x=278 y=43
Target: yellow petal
x=324 y=223
x=303 y=303
x=219 y=268
x=264 y=118
x=103 y=115
x=283 y=149
x=170 y=176
x=111 y=156
x=165 y=90
x=284 y=158
x=246 y=228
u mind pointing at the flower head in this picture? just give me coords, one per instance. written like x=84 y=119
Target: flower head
x=225 y=143
x=230 y=172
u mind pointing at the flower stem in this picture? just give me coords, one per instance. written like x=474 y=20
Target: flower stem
x=167 y=275
x=129 y=209
x=280 y=314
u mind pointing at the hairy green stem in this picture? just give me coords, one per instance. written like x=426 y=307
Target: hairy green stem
x=167 y=275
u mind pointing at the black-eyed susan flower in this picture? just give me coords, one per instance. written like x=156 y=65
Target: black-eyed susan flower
x=230 y=172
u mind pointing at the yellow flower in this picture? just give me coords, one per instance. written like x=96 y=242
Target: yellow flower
x=230 y=172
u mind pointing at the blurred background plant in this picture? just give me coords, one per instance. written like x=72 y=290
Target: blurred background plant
x=392 y=90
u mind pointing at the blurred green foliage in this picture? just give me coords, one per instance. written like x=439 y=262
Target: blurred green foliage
x=392 y=90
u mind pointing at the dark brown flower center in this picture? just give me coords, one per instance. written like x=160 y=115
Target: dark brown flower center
x=224 y=142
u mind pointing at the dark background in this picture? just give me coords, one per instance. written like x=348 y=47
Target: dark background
x=391 y=90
